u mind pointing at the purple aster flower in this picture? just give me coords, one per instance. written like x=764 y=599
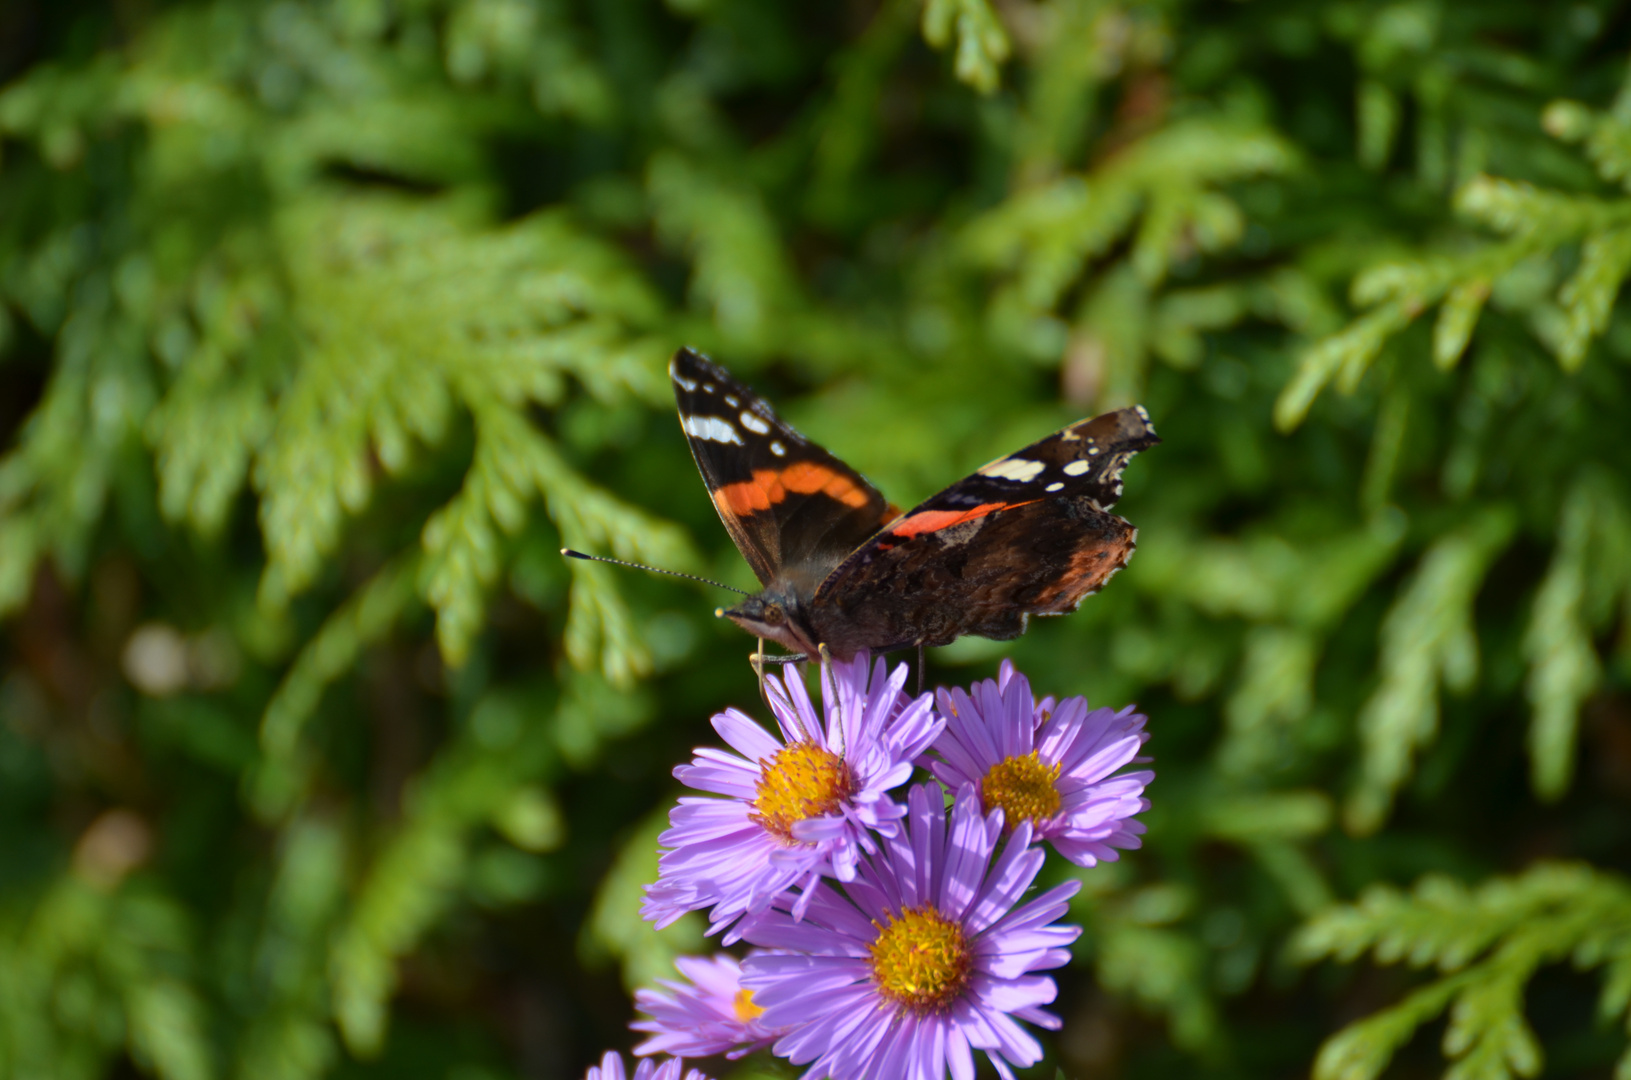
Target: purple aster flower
x=920 y=960
x=794 y=808
x=711 y=1014
x=611 y=1068
x=1046 y=763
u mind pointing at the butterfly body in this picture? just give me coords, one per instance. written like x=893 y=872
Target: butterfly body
x=1028 y=534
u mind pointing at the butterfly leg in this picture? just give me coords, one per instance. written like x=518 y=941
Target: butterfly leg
x=829 y=685
x=760 y=658
x=758 y=662
x=920 y=668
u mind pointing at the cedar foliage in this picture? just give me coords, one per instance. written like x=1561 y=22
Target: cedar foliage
x=324 y=323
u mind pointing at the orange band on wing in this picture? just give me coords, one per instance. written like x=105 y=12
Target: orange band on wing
x=750 y=496
x=935 y=520
x=807 y=479
x=770 y=486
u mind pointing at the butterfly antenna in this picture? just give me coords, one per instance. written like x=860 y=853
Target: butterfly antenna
x=570 y=554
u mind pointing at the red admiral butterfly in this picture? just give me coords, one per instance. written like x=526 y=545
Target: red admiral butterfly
x=1028 y=534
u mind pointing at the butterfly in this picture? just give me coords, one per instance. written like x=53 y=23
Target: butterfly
x=844 y=571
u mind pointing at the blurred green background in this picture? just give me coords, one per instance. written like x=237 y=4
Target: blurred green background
x=325 y=323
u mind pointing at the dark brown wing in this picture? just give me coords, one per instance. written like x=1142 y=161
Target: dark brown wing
x=793 y=509
x=1028 y=534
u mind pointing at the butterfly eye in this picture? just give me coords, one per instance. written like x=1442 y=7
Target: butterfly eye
x=773 y=615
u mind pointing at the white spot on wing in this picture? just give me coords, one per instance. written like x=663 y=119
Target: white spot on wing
x=711 y=429
x=1077 y=468
x=707 y=388
x=688 y=385
x=1012 y=468
x=1053 y=487
x=753 y=423
x=730 y=399
x=777 y=448
x=1091 y=450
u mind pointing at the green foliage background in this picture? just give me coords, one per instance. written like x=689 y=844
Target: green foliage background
x=324 y=323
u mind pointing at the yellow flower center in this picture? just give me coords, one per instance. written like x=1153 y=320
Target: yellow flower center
x=1023 y=787
x=746 y=1010
x=802 y=781
x=920 y=959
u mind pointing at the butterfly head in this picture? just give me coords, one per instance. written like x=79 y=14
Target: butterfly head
x=773 y=615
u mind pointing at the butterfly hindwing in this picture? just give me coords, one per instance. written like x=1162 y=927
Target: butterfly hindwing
x=793 y=509
x=1028 y=534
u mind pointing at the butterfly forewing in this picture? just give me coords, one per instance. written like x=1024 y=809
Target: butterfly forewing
x=792 y=508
